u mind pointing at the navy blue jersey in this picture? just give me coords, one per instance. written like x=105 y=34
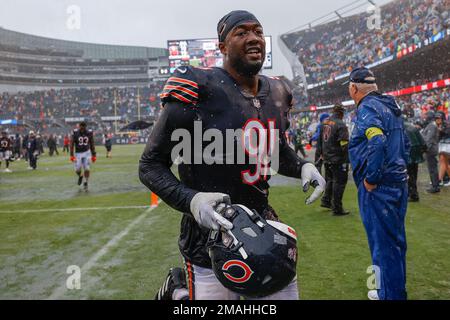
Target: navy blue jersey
x=333 y=141
x=31 y=144
x=82 y=141
x=211 y=97
x=5 y=144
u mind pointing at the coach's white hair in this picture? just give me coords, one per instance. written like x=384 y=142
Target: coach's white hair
x=366 y=88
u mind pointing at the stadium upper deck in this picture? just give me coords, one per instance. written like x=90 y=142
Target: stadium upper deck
x=329 y=51
x=29 y=62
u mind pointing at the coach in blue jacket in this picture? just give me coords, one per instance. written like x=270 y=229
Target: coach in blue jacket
x=378 y=151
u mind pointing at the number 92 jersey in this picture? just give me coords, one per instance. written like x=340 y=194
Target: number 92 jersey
x=83 y=141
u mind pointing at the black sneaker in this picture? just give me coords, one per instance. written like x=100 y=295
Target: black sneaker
x=433 y=190
x=326 y=205
x=80 y=180
x=413 y=199
x=85 y=185
x=341 y=213
x=176 y=279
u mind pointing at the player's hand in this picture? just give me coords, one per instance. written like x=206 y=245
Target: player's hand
x=72 y=159
x=94 y=158
x=369 y=187
x=311 y=176
x=203 y=207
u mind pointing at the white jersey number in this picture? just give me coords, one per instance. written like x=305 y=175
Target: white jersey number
x=83 y=141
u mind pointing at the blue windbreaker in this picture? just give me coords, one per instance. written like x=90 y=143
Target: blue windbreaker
x=379 y=147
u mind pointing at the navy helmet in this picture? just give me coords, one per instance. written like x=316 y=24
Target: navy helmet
x=257 y=257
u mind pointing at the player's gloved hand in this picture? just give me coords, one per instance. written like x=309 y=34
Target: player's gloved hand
x=72 y=159
x=311 y=176
x=203 y=207
x=94 y=158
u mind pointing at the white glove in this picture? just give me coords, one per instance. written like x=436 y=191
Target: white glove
x=311 y=176
x=203 y=206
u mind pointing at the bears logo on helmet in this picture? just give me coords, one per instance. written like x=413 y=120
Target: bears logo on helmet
x=239 y=264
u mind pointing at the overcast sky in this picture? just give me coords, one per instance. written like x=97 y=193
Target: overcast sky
x=152 y=23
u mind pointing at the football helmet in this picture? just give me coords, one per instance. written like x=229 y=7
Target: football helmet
x=257 y=257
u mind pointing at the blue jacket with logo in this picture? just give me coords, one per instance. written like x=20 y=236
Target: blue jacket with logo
x=379 y=147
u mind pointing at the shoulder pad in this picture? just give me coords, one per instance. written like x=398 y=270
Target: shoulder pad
x=182 y=86
x=284 y=89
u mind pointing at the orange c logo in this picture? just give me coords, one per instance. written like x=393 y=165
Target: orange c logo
x=237 y=263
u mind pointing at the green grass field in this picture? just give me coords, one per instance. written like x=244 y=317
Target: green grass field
x=125 y=253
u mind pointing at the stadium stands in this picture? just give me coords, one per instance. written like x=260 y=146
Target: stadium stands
x=50 y=85
x=414 y=36
x=59 y=104
x=330 y=50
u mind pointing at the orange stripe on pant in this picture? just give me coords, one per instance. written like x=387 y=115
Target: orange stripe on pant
x=191 y=280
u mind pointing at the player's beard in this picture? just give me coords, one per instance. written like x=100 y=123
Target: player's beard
x=245 y=68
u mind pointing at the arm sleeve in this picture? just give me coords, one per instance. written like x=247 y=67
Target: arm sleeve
x=319 y=142
x=343 y=138
x=316 y=134
x=422 y=143
x=407 y=147
x=428 y=134
x=373 y=128
x=92 y=143
x=155 y=163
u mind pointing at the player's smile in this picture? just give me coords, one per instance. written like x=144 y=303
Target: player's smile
x=254 y=53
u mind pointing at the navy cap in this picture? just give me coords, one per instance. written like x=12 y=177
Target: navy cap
x=361 y=75
x=323 y=116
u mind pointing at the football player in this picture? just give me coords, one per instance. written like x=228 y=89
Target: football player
x=5 y=150
x=221 y=99
x=108 y=145
x=32 y=151
x=82 y=152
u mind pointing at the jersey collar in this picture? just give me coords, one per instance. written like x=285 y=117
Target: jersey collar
x=263 y=86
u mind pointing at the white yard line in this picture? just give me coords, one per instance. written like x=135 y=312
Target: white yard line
x=93 y=260
x=73 y=209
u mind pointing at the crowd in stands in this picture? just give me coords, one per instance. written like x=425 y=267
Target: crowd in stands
x=334 y=48
x=59 y=104
x=327 y=97
x=418 y=82
x=415 y=106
